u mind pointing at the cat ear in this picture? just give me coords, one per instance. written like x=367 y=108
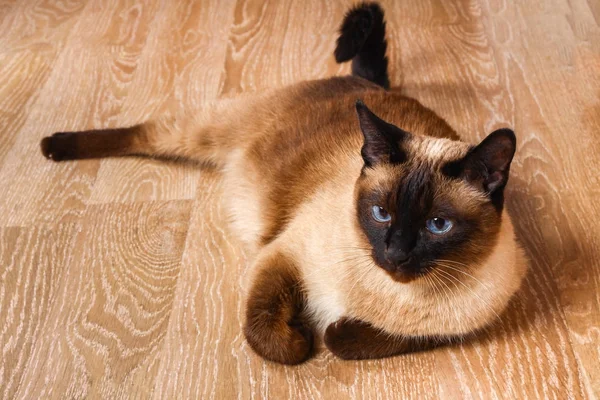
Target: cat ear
x=382 y=140
x=487 y=165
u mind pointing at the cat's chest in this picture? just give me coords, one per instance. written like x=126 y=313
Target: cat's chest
x=325 y=301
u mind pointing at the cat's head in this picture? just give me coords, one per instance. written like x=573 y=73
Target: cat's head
x=423 y=202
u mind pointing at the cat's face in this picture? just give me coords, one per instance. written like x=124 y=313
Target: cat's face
x=424 y=202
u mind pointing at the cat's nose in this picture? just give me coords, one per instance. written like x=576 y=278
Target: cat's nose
x=396 y=256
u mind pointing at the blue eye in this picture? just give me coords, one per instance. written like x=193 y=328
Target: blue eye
x=438 y=226
x=380 y=214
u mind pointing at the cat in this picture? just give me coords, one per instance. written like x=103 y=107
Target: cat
x=371 y=224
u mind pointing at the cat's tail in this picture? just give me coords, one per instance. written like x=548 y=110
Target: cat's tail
x=362 y=40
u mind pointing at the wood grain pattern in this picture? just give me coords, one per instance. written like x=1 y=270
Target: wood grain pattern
x=190 y=73
x=106 y=324
x=121 y=279
x=30 y=40
x=31 y=278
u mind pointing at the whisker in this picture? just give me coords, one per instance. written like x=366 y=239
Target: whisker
x=440 y=280
x=446 y=274
x=433 y=284
x=354 y=248
x=447 y=294
x=367 y=263
x=454 y=262
x=321 y=271
x=462 y=272
x=346 y=250
x=367 y=270
x=472 y=291
x=353 y=258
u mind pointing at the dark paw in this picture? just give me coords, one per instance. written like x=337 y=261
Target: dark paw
x=287 y=344
x=60 y=146
x=346 y=337
x=302 y=342
x=352 y=339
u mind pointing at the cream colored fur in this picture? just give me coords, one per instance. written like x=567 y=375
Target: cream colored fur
x=340 y=279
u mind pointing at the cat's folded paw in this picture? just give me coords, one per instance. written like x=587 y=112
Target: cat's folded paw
x=286 y=343
x=59 y=147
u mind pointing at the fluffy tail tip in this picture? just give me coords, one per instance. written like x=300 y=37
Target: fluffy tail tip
x=358 y=24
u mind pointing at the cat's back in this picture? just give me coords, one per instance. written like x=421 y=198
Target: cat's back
x=315 y=122
x=312 y=138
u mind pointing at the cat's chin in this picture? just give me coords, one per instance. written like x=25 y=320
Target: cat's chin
x=403 y=275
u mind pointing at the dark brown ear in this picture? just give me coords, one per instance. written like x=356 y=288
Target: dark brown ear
x=487 y=165
x=383 y=141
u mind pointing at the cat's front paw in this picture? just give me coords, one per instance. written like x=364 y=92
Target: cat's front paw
x=346 y=339
x=353 y=339
x=60 y=146
x=286 y=343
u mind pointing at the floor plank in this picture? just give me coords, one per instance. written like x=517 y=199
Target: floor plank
x=189 y=74
x=556 y=91
x=32 y=273
x=31 y=38
x=106 y=325
x=266 y=49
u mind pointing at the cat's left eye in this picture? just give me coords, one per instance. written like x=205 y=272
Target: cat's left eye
x=438 y=226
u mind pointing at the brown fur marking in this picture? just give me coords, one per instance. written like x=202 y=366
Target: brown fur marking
x=295 y=155
x=274 y=326
x=352 y=339
x=63 y=146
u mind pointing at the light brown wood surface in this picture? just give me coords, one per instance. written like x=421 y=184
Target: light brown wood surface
x=119 y=278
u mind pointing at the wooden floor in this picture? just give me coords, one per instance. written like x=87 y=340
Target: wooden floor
x=120 y=279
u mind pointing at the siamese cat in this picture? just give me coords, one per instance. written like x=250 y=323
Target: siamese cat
x=371 y=224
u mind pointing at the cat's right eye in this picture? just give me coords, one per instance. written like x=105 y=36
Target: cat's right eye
x=380 y=214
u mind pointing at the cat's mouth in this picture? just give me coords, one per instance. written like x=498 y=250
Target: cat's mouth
x=406 y=272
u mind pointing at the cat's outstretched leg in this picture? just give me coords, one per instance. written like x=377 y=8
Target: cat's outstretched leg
x=274 y=327
x=352 y=339
x=362 y=40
